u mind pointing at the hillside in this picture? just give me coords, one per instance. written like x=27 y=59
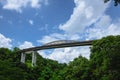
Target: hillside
x=104 y=64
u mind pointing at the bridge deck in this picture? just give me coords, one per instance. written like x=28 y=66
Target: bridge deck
x=72 y=44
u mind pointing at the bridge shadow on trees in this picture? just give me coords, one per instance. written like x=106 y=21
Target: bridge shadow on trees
x=104 y=64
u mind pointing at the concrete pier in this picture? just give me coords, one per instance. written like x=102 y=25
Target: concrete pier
x=23 y=55
x=51 y=45
x=34 y=55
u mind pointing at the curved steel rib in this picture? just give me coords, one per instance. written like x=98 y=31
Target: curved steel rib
x=62 y=45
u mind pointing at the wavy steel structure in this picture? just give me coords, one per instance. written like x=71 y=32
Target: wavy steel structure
x=59 y=44
x=54 y=44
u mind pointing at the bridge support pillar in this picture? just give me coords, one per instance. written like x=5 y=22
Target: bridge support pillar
x=34 y=55
x=23 y=57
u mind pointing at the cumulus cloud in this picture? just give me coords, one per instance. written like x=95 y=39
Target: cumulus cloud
x=85 y=13
x=57 y=36
x=26 y=44
x=5 y=42
x=19 y=4
x=35 y=3
x=64 y=55
x=31 y=22
x=104 y=27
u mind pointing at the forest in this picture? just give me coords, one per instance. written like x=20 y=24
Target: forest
x=104 y=64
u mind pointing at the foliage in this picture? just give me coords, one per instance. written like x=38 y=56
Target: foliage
x=8 y=71
x=77 y=69
x=105 y=58
x=116 y=2
x=104 y=64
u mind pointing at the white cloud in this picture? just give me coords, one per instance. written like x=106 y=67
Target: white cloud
x=19 y=4
x=64 y=55
x=114 y=29
x=31 y=22
x=104 y=27
x=35 y=3
x=15 y=4
x=57 y=36
x=5 y=42
x=85 y=13
x=26 y=44
x=46 y=39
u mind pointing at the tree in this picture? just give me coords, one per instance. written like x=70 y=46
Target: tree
x=116 y=2
x=105 y=58
x=104 y=64
x=8 y=71
x=5 y=54
x=78 y=69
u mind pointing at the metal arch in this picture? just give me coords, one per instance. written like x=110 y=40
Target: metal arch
x=62 y=45
x=54 y=44
x=59 y=42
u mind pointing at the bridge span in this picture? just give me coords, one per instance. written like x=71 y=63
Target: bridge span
x=58 y=45
x=51 y=45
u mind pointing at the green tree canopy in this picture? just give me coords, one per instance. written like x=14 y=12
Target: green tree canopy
x=104 y=64
x=116 y=2
x=105 y=58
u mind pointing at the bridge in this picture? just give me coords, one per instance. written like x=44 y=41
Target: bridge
x=51 y=45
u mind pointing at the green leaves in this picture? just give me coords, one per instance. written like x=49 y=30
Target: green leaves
x=78 y=69
x=8 y=71
x=104 y=64
x=116 y=2
x=105 y=58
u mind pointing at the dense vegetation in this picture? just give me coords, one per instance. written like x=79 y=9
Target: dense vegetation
x=104 y=64
x=116 y=2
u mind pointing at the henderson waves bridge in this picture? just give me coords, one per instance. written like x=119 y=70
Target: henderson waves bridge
x=51 y=45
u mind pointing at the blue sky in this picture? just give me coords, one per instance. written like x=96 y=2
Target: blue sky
x=28 y=23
